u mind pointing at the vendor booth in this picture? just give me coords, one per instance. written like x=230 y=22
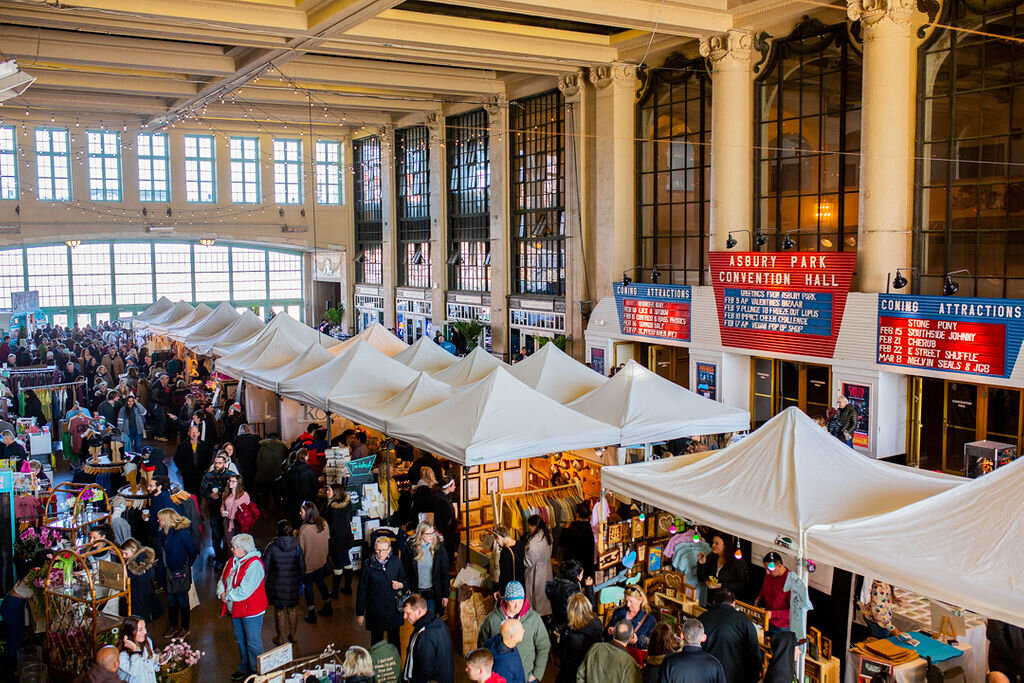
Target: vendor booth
x=164 y=329
x=426 y=355
x=555 y=374
x=245 y=327
x=159 y=307
x=472 y=367
x=217 y=321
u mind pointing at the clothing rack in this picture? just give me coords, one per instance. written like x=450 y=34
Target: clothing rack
x=501 y=499
x=58 y=385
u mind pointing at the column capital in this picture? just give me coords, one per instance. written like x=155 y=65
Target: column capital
x=735 y=45
x=433 y=119
x=620 y=75
x=498 y=104
x=871 y=12
x=571 y=86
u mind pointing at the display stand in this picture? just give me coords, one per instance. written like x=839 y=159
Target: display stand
x=7 y=533
x=326 y=661
x=76 y=622
x=72 y=509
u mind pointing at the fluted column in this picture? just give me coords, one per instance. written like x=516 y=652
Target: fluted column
x=730 y=58
x=438 y=215
x=612 y=248
x=389 y=220
x=578 y=217
x=497 y=118
x=886 y=168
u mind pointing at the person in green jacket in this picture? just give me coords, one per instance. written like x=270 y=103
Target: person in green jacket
x=535 y=646
x=611 y=662
x=387 y=662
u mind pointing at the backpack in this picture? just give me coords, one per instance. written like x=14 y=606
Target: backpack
x=248 y=514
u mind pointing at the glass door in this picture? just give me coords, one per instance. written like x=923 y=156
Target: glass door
x=961 y=423
x=1002 y=418
x=780 y=384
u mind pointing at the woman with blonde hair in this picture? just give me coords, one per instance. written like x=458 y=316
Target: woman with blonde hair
x=637 y=611
x=358 y=665
x=511 y=563
x=584 y=629
x=179 y=553
x=426 y=566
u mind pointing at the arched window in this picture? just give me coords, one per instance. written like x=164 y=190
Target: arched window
x=969 y=212
x=807 y=139
x=674 y=131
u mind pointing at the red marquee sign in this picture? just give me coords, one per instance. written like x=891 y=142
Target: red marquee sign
x=787 y=302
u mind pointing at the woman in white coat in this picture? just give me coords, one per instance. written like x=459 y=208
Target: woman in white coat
x=538 y=564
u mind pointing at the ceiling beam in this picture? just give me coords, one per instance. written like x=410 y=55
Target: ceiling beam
x=438 y=55
x=219 y=12
x=392 y=75
x=109 y=83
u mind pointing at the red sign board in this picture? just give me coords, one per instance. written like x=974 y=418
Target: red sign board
x=656 y=319
x=788 y=302
x=978 y=348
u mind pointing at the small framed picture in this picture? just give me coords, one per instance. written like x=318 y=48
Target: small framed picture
x=654 y=554
x=475 y=469
x=689 y=592
x=473 y=489
x=813 y=643
x=492 y=467
x=637 y=528
x=641 y=553
x=534 y=479
x=652 y=526
x=476 y=517
x=826 y=649
x=615 y=534
x=664 y=524
x=492 y=485
x=510 y=465
x=609 y=559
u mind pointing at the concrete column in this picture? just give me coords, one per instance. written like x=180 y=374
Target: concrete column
x=578 y=217
x=887 y=138
x=732 y=132
x=438 y=215
x=613 y=247
x=497 y=114
x=389 y=220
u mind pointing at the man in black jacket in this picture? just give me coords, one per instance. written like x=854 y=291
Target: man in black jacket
x=692 y=664
x=577 y=541
x=732 y=639
x=192 y=458
x=429 y=656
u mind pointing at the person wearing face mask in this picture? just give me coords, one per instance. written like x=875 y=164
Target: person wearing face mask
x=377 y=598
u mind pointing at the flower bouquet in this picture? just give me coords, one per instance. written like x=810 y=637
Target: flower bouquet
x=33 y=539
x=178 y=662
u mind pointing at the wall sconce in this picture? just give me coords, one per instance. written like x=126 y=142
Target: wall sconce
x=731 y=242
x=899 y=282
x=207 y=241
x=455 y=259
x=73 y=243
x=626 y=279
x=787 y=242
x=360 y=257
x=950 y=286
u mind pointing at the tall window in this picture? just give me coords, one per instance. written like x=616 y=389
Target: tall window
x=90 y=264
x=200 y=169
x=249 y=274
x=467 y=142
x=969 y=212
x=329 y=178
x=537 y=160
x=245 y=170
x=212 y=275
x=173 y=266
x=285 y=275
x=12 y=275
x=674 y=131
x=412 y=179
x=133 y=273
x=807 y=140
x=48 y=273
x=8 y=163
x=367 y=189
x=288 y=171
x=53 y=164
x=104 y=153
x=154 y=164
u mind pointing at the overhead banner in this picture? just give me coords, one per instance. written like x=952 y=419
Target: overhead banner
x=965 y=335
x=652 y=310
x=786 y=302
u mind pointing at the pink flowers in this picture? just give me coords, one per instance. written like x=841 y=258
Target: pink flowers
x=180 y=656
x=33 y=539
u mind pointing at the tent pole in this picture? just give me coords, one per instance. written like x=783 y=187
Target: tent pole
x=801 y=571
x=465 y=507
x=328 y=426
x=280 y=427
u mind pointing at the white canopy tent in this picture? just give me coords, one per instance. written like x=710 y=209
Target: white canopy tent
x=380 y=338
x=647 y=407
x=245 y=326
x=471 y=368
x=176 y=313
x=499 y=419
x=784 y=478
x=271 y=377
x=960 y=546
x=220 y=319
x=272 y=351
x=161 y=305
x=360 y=374
x=557 y=375
x=426 y=356
x=282 y=321
x=422 y=393
x=198 y=314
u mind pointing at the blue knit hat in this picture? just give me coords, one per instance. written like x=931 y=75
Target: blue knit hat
x=515 y=591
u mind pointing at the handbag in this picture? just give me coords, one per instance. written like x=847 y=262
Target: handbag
x=179 y=581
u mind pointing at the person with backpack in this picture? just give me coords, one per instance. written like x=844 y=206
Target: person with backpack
x=285 y=567
x=238 y=517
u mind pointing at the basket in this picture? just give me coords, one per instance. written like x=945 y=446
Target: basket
x=184 y=676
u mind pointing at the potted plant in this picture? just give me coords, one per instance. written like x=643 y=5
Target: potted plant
x=471 y=331
x=179 y=662
x=334 y=315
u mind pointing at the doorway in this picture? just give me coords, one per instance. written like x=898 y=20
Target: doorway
x=778 y=384
x=954 y=413
x=670 y=362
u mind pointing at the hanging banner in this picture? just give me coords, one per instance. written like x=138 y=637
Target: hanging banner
x=788 y=302
x=707 y=380
x=965 y=335
x=652 y=310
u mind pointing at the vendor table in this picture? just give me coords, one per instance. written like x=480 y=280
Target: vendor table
x=915 y=615
x=914 y=671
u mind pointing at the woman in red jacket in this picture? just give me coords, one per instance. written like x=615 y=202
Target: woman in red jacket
x=242 y=590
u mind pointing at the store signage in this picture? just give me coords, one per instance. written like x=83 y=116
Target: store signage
x=789 y=302
x=652 y=310
x=859 y=396
x=707 y=380
x=965 y=335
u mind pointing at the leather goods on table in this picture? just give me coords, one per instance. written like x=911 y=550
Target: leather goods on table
x=883 y=649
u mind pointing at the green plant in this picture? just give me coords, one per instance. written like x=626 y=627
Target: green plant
x=335 y=314
x=255 y=309
x=559 y=341
x=471 y=331
x=22 y=332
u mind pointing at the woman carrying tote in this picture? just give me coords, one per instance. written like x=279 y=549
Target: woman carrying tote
x=179 y=552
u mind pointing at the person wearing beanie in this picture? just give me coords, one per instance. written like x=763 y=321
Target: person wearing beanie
x=535 y=648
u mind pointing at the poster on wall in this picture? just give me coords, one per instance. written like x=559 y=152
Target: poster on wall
x=789 y=302
x=329 y=265
x=653 y=310
x=707 y=380
x=963 y=335
x=597 y=360
x=859 y=396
